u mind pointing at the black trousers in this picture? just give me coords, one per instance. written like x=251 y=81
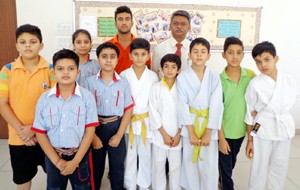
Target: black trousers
x=116 y=157
x=227 y=163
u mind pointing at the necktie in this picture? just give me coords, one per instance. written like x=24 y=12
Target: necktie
x=178 y=51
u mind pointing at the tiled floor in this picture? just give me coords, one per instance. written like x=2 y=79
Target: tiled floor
x=241 y=172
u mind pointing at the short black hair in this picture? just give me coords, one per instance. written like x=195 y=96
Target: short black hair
x=171 y=57
x=83 y=31
x=107 y=45
x=181 y=13
x=232 y=41
x=31 y=29
x=262 y=47
x=123 y=9
x=65 y=54
x=140 y=43
x=202 y=41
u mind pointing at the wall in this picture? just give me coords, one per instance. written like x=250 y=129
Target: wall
x=279 y=25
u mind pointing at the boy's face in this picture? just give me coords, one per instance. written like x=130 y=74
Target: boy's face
x=233 y=55
x=28 y=46
x=266 y=63
x=65 y=71
x=199 y=55
x=82 y=44
x=179 y=27
x=108 y=59
x=123 y=23
x=170 y=70
x=139 y=57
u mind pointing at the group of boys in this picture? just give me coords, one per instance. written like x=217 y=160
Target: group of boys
x=195 y=120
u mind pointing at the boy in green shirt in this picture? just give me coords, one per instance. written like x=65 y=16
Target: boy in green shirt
x=234 y=80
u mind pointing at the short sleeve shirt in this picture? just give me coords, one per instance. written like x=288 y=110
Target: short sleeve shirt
x=23 y=90
x=113 y=98
x=64 y=122
x=89 y=68
x=234 y=104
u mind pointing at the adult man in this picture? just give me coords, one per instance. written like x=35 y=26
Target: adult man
x=124 y=23
x=177 y=43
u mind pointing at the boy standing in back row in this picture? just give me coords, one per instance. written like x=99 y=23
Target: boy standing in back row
x=269 y=97
x=21 y=84
x=234 y=80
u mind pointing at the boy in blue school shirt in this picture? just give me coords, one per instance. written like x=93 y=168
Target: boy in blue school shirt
x=65 y=121
x=115 y=105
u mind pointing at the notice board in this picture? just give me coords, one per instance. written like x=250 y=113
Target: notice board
x=151 y=21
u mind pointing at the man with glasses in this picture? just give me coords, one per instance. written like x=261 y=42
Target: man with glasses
x=177 y=43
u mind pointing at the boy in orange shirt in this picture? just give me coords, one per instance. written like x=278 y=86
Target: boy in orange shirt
x=21 y=84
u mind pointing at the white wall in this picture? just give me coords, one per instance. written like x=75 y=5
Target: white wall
x=279 y=24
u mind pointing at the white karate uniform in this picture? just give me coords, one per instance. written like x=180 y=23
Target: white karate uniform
x=140 y=91
x=205 y=94
x=272 y=101
x=163 y=113
x=169 y=46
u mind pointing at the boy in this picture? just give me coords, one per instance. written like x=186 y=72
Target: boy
x=114 y=107
x=269 y=98
x=65 y=121
x=21 y=84
x=163 y=122
x=234 y=80
x=200 y=113
x=140 y=80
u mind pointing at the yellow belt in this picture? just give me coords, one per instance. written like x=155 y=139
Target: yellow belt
x=199 y=133
x=134 y=118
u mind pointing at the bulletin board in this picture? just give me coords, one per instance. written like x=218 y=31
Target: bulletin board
x=151 y=21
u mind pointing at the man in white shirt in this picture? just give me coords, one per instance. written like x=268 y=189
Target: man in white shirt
x=180 y=25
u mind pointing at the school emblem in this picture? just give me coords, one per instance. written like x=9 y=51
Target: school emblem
x=45 y=85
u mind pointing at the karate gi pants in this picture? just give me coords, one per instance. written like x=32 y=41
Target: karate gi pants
x=137 y=175
x=269 y=164
x=204 y=174
x=159 y=157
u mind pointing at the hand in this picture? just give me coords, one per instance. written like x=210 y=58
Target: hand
x=61 y=164
x=194 y=139
x=69 y=168
x=254 y=113
x=30 y=142
x=249 y=149
x=167 y=139
x=224 y=146
x=205 y=139
x=26 y=133
x=97 y=143
x=176 y=139
x=114 y=140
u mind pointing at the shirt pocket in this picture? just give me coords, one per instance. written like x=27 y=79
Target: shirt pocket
x=117 y=99
x=92 y=71
x=77 y=115
x=51 y=117
x=98 y=97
